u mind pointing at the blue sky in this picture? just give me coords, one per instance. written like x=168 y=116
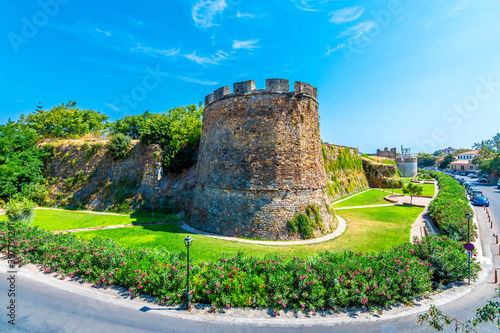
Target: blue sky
x=423 y=74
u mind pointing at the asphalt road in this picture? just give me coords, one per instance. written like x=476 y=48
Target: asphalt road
x=42 y=305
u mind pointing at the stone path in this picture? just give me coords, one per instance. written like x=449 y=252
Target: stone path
x=82 y=211
x=339 y=231
x=405 y=200
x=424 y=225
x=115 y=226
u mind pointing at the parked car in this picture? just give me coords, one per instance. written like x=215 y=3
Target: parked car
x=498 y=183
x=481 y=201
x=476 y=193
x=472 y=175
x=471 y=189
x=483 y=180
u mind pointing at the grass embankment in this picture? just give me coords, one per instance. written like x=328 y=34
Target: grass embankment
x=53 y=220
x=368 y=230
x=370 y=197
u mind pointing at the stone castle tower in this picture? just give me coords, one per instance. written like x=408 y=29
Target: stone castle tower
x=407 y=165
x=260 y=161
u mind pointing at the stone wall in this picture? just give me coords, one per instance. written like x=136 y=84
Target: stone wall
x=407 y=166
x=344 y=170
x=109 y=184
x=260 y=160
x=387 y=153
x=381 y=175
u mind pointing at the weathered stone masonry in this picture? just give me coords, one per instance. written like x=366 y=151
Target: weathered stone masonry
x=260 y=160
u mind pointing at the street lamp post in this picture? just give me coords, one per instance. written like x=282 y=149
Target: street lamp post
x=468 y=216
x=188 y=241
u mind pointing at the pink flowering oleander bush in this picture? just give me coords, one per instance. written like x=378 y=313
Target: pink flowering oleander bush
x=449 y=207
x=325 y=281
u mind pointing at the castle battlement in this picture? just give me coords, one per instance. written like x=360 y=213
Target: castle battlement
x=272 y=86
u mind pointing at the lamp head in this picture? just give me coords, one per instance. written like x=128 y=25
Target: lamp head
x=468 y=216
x=188 y=240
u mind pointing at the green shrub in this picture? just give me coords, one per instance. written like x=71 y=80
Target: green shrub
x=20 y=210
x=73 y=163
x=35 y=192
x=449 y=207
x=327 y=281
x=119 y=146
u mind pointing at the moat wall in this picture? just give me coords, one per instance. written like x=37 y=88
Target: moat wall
x=260 y=161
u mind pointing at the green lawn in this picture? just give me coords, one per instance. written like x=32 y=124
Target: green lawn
x=428 y=188
x=63 y=220
x=370 y=197
x=368 y=229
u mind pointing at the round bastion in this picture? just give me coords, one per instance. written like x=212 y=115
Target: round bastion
x=407 y=165
x=260 y=161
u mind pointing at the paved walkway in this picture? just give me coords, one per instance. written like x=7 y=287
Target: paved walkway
x=339 y=231
x=424 y=225
x=82 y=211
x=115 y=226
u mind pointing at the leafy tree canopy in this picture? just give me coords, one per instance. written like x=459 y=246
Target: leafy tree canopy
x=446 y=161
x=426 y=160
x=489 y=155
x=178 y=132
x=20 y=160
x=130 y=125
x=65 y=121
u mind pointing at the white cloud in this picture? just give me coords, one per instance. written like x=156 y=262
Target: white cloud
x=112 y=106
x=214 y=59
x=331 y=50
x=154 y=52
x=107 y=33
x=357 y=30
x=311 y=5
x=346 y=15
x=240 y=15
x=351 y=35
x=245 y=44
x=205 y=83
x=204 y=11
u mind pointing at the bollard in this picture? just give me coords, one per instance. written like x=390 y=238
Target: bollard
x=497 y=238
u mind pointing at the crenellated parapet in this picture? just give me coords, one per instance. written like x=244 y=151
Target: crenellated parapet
x=281 y=86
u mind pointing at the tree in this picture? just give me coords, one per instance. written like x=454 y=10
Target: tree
x=489 y=155
x=65 y=121
x=412 y=190
x=426 y=160
x=130 y=125
x=446 y=161
x=438 y=320
x=178 y=132
x=438 y=153
x=21 y=161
